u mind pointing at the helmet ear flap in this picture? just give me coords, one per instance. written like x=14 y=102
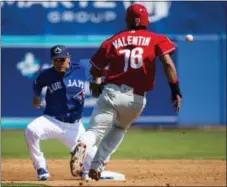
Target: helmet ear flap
x=137 y=22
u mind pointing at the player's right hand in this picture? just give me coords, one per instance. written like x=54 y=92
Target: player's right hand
x=96 y=89
x=176 y=103
x=36 y=102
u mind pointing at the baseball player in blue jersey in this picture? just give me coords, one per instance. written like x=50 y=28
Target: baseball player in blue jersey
x=61 y=119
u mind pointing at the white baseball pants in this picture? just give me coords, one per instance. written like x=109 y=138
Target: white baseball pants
x=47 y=127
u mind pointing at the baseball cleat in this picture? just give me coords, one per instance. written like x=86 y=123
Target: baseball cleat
x=77 y=159
x=94 y=174
x=85 y=177
x=43 y=174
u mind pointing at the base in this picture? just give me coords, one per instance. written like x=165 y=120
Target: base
x=111 y=175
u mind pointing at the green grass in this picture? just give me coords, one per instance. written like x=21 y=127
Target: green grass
x=138 y=144
x=174 y=145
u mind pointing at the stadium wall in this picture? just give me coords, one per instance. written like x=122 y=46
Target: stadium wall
x=201 y=66
x=83 y=25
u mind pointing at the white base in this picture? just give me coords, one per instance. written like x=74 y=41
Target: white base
x=111 y=175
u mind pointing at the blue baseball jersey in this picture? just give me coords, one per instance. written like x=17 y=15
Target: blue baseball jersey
x=65 y=91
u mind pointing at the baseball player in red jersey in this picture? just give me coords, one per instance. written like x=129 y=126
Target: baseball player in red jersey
x=130 y=58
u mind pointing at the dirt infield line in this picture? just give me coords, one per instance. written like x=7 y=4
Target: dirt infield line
x=138 y=173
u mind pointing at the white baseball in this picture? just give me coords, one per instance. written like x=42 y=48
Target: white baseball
x=189 y=38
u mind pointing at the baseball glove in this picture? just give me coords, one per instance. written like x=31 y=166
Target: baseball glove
x=96 y=89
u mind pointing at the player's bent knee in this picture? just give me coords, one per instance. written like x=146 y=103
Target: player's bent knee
x=29 y=133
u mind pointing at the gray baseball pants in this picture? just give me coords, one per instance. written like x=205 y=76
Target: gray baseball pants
x=116 y=109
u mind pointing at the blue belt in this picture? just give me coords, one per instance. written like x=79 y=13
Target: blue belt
x=66 y=120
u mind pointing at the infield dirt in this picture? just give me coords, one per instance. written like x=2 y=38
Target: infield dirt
x=138 y=173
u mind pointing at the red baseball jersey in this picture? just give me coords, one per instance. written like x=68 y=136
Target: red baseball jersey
x=129 y=58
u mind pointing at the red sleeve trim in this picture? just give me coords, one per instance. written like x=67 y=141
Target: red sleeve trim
x=95 y=65
x=168 y=51
x=95 y=72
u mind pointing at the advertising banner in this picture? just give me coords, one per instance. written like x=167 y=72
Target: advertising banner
x=107 y=17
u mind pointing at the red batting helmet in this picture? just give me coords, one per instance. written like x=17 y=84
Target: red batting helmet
x=137 y=15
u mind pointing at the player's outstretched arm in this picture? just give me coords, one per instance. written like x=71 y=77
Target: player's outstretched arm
x=171 y=74
x=98 y=61
x=169 y=67
x=38 y=84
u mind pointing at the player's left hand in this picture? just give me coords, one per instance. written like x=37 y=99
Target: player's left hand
x=96 y=89
x=36 y=102
x=177 y=103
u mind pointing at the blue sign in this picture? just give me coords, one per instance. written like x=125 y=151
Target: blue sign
x=19 y=69
x=107 y=17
